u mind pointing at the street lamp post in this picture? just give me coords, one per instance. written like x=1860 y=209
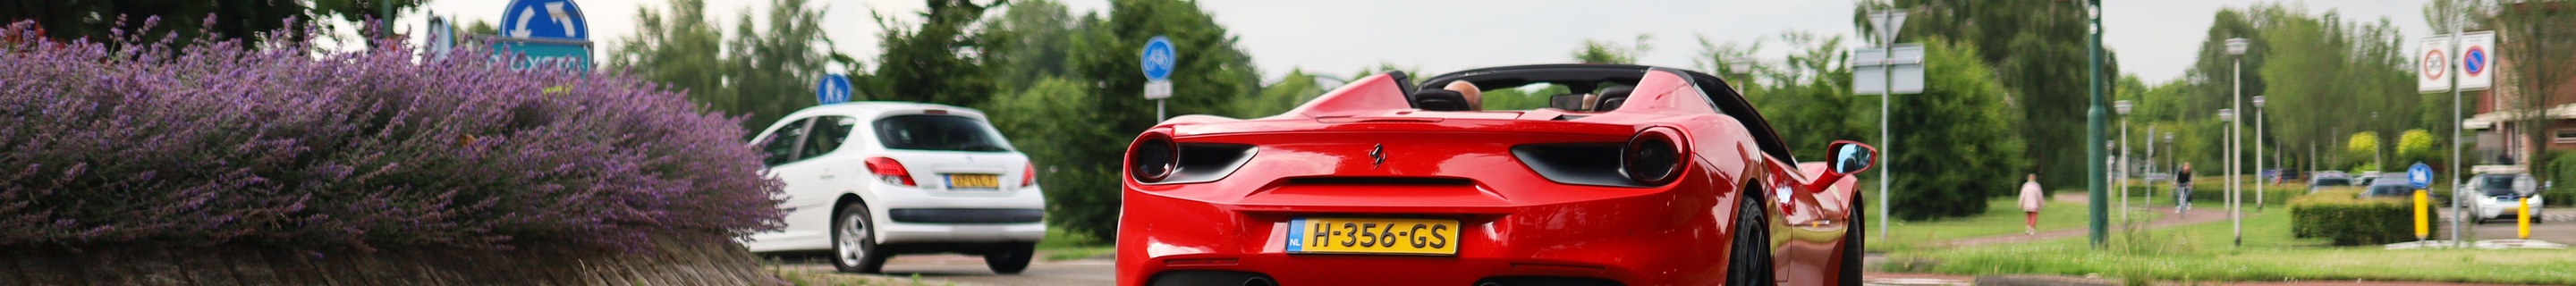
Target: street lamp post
x=2097 y=198
x=2259 y=178
x=2123 y=108
x=2235 y=48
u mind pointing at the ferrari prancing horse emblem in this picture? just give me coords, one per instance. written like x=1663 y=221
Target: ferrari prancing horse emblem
x=1378 y=153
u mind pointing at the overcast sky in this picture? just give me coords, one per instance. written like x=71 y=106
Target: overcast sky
x=2155 y=39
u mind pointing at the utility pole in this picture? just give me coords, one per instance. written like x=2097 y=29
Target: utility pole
x=2097 y=195
x=2235 y=46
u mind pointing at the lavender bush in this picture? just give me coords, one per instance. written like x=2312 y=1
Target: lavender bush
x=283 y=144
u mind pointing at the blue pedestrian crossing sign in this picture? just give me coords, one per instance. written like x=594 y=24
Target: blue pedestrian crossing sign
x=2419 y=175
x=834 y=88
x=556 y=19
x=1159 y=59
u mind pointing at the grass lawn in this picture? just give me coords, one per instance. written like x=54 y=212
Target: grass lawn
x=2002 y=217
x=2204 y=252
x=1060 y=245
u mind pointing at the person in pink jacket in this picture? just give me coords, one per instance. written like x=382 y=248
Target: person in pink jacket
x=2031 y=198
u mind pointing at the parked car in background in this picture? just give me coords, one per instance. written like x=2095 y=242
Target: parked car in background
x=2328 y=179
x=868 y=180
x=2390 y=185
x=2499 y=195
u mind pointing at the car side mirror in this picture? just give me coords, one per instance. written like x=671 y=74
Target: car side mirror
x=1847 y=157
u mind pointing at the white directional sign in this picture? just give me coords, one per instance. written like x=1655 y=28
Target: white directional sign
x=1906 y=63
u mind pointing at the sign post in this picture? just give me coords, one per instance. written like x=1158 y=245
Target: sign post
x=1158 y=60
x=545 y=32
x=2443 y=67
x=1900 y=70
x=2421 y=176
x=834 y=88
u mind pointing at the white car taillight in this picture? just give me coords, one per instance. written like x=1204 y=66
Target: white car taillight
x=1029 y=174
x=889 y=171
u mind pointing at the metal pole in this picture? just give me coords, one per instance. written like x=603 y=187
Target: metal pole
x=2097 y=197
x=2458 y=164
x=2123 y=170
x=1887 y=74
x=2259 y=179
x=1158 y=111
x=2233 y=157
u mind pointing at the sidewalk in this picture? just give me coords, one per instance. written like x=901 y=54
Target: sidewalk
x=2193 y=216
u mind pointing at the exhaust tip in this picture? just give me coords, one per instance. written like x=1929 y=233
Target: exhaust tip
x=1489 y=284
x=1258 y=281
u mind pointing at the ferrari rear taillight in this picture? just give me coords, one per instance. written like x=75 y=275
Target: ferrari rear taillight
x=1153 y=159
x=1653 y=157
x=889 y=171
x=1029 y=174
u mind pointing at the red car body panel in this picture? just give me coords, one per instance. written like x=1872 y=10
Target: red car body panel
x=1364 y=151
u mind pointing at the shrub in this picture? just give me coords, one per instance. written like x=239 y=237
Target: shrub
x=2561 y=168
x=2340 y=215
x=283 y=144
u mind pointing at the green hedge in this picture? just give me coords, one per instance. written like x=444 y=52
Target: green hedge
x=2339 y=215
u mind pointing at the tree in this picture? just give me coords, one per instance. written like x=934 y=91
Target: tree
x=1960 y=146
x=1292 y=90
x=1610 y=52
x=762 y=72
x=2537 y=54
x=2036 y=50
x=1812 y=94
x=1031 y=40
x=1212 y=72
x=2329 y=75
x=2417 y=145
x=775 y=66
x=184 y=20
x=1052 y=121
x=937 y=60
x=2364 y=149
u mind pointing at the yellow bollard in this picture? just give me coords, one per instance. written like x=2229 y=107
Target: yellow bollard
x=2423 y=225
x=2522 y=221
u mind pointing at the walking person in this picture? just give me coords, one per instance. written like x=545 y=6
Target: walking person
x=2031 y=198
x=2182 y=188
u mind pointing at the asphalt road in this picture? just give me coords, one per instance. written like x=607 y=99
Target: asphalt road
x=965 y=270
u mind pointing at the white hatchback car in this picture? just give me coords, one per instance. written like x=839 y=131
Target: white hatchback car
x=912 y=178
x=2499 y=195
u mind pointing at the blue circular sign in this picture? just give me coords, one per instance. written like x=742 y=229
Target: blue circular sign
x=2475 y=62
x=834 y=88
x=1159 y=58
x=557 y=19
x=2419 y=175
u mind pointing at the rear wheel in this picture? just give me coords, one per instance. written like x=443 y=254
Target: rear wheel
x=854 y=244
x=1853 y=245
x=1010 y=258
x=1749 y=258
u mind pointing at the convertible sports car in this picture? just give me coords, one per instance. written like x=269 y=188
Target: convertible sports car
x=1640 y=176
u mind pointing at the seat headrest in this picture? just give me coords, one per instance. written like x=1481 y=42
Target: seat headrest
x=1440 y=100
x=1612 y=97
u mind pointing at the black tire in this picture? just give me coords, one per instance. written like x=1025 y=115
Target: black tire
x=1749 y=257
x=854 y=247
x=1010 y=258
x=1853 y=245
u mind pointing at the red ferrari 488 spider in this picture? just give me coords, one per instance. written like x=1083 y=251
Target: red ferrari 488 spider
x=1638 y=176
